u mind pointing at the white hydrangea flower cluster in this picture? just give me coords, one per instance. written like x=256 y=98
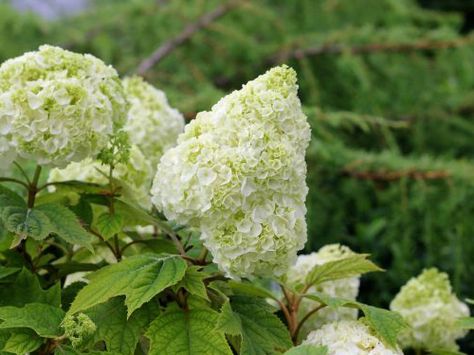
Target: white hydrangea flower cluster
x=349 y=337
x=57 y=106
x=429 y=306
x=238 y=173
x=345 y=288
x=135 y=176
x=152 y=124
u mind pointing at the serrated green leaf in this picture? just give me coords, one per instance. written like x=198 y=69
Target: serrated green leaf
x=307 y=349
x=262 y=332
x=66 y=225
x=193 y=282
x=465 y=323
x=22 y=341
x=109 y=224
x=7 y=271
x=191 y=332
x=42 y=318
x=119 y=333
x=26 y=289
x=26 y=222
x=228 y=321
x=340 y=269
x=139 y=278
x=249 y=289
x=386 y=324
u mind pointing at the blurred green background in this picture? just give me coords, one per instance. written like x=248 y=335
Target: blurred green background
x=388 y=86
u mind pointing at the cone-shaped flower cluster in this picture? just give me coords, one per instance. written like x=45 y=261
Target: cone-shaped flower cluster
x=345 y=288
x=57 y=106
x=349 y=337
x=429 y=306
x=238 y=173
x=135 y=176
x=152 y=124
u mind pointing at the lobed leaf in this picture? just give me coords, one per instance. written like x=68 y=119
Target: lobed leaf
x=262 y=332
x=44 y=319
x=120 y=334
x=193 y=282
x=66 y=225
x=21 y=341
x=26 y=289
x=109 y=224
x=340 y=269
x=249 y=289
x=139 y=278
x=191 y=332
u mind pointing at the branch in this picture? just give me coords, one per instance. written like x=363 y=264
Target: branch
x=331 y=48
x=168 y=46
x=396 y=175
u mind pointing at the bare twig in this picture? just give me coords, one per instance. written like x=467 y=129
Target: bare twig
x=331 y=48
x=202 y=22
x=396 y=175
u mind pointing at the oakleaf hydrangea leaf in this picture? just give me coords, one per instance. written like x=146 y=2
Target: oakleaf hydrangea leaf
x=44 y=319
x=191 y=332
x=262 y=332
x=139 y=278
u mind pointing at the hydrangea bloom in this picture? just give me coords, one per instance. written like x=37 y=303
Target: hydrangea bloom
x=238 y=173
x=57 y=106
x=429 y=306
x=152 y=124
x=135 y=176
x=345 y=288
x=349 y=337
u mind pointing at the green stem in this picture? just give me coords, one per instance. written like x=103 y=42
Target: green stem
x=32 y=191
x=305 y=318
x=33 y=187
x=203 y=255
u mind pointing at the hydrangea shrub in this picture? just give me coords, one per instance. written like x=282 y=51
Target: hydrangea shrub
x=238 y=174
x=57 y=106
x=153 y=125
x=88 y=266
x=430 y=307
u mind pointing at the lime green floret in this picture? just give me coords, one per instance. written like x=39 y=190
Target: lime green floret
x=238 y=173
x=57 y=106
x=152 y=123
x=430 y=307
